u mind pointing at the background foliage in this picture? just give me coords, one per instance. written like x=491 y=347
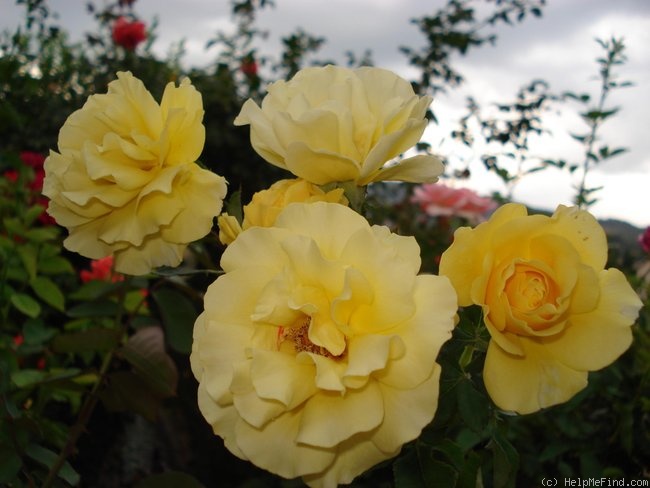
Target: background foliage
x=95 y=386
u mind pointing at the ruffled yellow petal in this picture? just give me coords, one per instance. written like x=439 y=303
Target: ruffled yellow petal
x=597 y=338
x=525 y=384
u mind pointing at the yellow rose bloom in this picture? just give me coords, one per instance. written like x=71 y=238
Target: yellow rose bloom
x=553 y=311
x=125 y=182
x=333 y=124
x=267 y=204
x=315 y=353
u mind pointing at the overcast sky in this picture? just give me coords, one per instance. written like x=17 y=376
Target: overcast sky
x=558 y=48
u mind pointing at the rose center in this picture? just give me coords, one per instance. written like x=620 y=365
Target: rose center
x=527 y=289
x=298 y=336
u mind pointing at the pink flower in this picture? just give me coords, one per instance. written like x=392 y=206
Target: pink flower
x=438 y=200
x=101 y=270
x=644 y=240
x=128 y=34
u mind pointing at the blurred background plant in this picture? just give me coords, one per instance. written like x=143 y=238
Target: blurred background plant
x=95 y=386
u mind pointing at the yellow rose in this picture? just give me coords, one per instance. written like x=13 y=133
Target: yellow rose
x=553 y=312
x=125 y=182
x=315 y=353
x=333 y=124
x=267 y=204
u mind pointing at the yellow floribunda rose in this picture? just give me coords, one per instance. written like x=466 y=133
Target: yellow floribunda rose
x=553 y=312
x=315 y=353
x=125 y=182
x=333 y=124
x=267 y=204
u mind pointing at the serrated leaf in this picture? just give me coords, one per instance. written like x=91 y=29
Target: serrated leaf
x=178 y=315
x=26 y=304
x=145 y=351
x=48 y=291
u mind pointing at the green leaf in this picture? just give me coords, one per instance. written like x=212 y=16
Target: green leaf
x=234 y=207
x=55 y=265
x=418 y=469
x=94 y=339
x=94 y=289
x=27 y=377
x=28 y=256
x=36 y=333
x=506 y=461
x=472 y=405
x=43 y=234
x=170 y=479
x=10 y=464
x=178 y=315
x=47 y=458
x=48 y=291
x=145 y=351
x=26 y=305
x=97 y=308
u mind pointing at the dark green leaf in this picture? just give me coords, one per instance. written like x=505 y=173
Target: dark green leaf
x=473 y=406
x=43 y=234
x=47 y=458
x=26 y=304
x=27 y=377
x=55 y=265
x=36 y=333
x=94 y=339
x=97 y=308
x=506 y=461
x=145 y=351
x=10 y=464
x=178 y=315
x=48 y=291
x=94 y=289
x=28 y=256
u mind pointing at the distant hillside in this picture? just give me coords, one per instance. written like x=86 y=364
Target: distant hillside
x=623 y=239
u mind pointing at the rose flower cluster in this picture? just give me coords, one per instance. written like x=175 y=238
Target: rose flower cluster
x=316 y=352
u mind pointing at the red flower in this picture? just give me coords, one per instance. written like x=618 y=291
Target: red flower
x=18 y=340
x=249 y=67
x=439 y=200
x=644 y=240
x=33 y=159
x=100 y=270
x=11 y=175
x=128 y=34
